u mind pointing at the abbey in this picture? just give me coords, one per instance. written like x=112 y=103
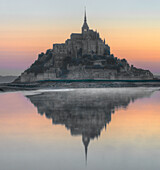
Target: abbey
x=85 y=56
x=79 y=44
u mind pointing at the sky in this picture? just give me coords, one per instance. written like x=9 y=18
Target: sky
x=29 y=27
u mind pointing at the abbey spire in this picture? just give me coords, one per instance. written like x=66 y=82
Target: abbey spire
x=85 y=17
x=85 y=27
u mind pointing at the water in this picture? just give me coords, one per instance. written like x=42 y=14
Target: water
x=91 y=129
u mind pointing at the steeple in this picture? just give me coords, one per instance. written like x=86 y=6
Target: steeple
x=85 y=27
x=85 y=17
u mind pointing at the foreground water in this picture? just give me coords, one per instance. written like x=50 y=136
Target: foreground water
x=92 y=129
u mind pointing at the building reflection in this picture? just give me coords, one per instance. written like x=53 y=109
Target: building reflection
x=85 y=112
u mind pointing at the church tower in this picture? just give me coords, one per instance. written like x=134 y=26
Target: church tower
x=85 y=27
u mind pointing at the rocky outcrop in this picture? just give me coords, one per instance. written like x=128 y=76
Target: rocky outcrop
x=84 y=56
x=51 y=66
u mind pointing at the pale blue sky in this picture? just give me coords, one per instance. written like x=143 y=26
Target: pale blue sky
x=67 y=8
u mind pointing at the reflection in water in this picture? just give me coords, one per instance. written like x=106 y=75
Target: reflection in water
x=85 y=111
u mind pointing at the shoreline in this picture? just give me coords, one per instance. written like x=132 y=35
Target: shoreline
x=63 y=84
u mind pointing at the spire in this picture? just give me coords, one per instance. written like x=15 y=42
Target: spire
x=85 y=27
x=85 y=17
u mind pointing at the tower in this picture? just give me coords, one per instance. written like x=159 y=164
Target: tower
x=85 y=27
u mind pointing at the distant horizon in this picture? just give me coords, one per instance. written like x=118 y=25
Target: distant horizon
x=28 y=28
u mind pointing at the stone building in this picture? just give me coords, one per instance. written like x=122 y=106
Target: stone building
x=86 y=42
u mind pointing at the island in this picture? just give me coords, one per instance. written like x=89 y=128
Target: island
x=83 y=61
x=85 y=56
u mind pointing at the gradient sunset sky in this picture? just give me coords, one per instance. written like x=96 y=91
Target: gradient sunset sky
x=29 y=27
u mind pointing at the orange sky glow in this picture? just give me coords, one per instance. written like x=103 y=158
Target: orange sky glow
x=132 y=31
